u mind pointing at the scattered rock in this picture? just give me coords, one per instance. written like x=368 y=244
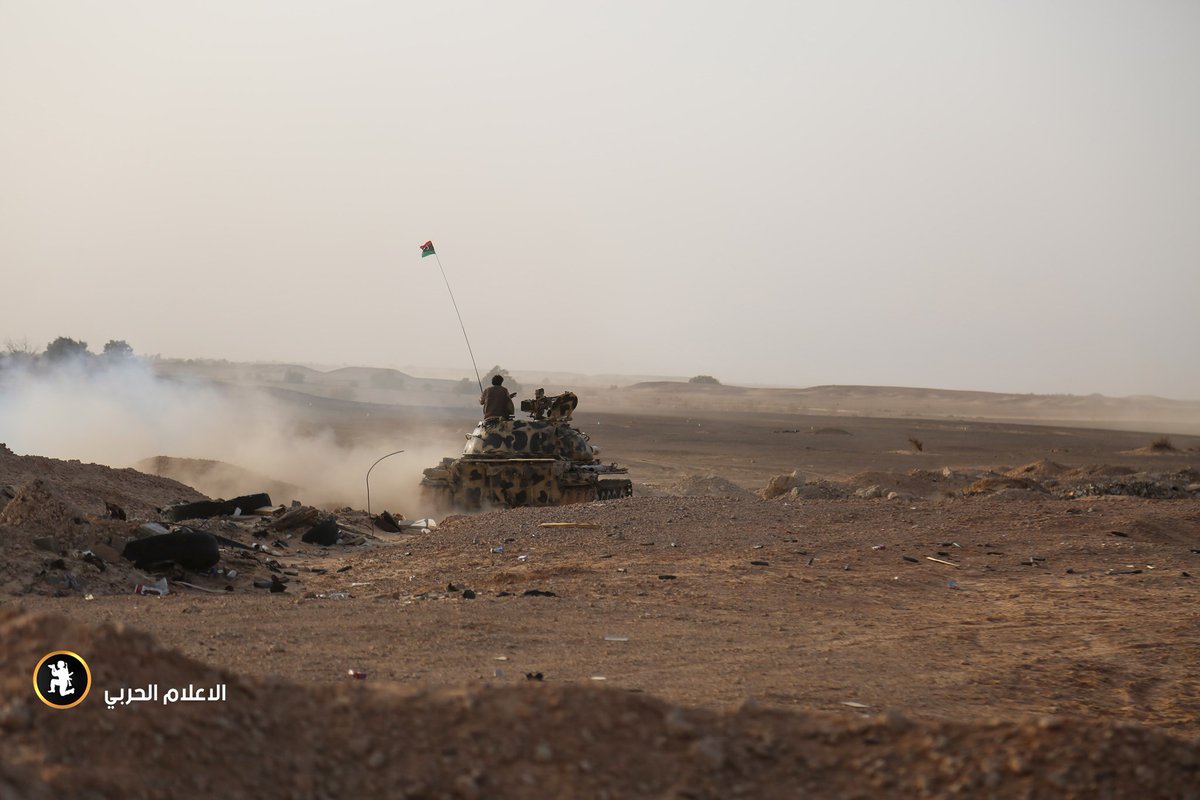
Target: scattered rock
x=991 y=485
x=300 y=517
x=37 y=508
x=706 y=486
x=324 y=533
x=781 y=485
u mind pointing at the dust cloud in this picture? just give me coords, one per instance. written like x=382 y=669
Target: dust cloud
x=222 y=440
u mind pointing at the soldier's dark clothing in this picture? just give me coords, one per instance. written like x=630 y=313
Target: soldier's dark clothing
x=496 y=403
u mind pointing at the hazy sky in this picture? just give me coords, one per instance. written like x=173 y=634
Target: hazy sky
x=976 y=195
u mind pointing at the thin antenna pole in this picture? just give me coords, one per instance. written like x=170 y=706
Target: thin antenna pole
x=381 y=458
x=438 y=259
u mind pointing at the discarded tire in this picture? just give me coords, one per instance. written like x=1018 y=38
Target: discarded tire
x=324 y=533
x=194 y=550
x=204 y=509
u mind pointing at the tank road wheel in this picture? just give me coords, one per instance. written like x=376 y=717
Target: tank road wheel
x=611 y=490
x=578 y=494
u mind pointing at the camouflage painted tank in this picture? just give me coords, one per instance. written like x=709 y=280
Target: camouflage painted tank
x=542 y=461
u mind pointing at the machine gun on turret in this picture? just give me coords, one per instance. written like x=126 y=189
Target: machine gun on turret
x=554 y=408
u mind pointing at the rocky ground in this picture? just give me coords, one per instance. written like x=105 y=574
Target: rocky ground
x=989 y=630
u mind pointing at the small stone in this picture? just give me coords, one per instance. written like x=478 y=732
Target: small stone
x=710 y=752
x=467 y=787
x=677 y=723
x=107 y=553
x=15 y=716
x=150 y=529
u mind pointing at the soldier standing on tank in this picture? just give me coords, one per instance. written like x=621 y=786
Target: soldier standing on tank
x=496 y=401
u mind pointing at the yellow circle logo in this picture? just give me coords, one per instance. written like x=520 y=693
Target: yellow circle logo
x=62 y=679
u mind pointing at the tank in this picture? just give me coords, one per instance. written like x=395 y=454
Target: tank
x=540 y=461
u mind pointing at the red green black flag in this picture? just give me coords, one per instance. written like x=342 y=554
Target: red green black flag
x=427 y=249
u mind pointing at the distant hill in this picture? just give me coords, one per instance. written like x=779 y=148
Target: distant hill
x=1130 y=413
x=384 y=386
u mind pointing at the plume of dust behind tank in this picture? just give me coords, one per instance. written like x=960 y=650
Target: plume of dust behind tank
x=123 y=414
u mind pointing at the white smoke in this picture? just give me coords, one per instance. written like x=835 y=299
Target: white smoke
x=121 y=413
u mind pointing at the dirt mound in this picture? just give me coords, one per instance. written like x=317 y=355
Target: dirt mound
x=705 y=486
x=818 y=490
x=49 y=547
x=1160 y=531
x=781 y=485
x=275 y=739
x=1097 y=481
x=868 y=485
x=218 y=478
x=1038 y=470
x=56 y=537
x=1159 y=447
x=1152 y=450
x=993 y=485
x=36 y=509
x=1097 y=471
x=1153 y=487
x=915 y=482
x=91 y=486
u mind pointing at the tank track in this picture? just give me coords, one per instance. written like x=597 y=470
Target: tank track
x=614 y=489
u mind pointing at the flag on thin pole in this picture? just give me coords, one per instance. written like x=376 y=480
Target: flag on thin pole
x=427 y=250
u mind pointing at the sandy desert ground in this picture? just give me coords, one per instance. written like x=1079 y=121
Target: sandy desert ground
x=791 y=604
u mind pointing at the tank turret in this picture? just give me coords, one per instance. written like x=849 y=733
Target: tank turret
x=540 y=461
